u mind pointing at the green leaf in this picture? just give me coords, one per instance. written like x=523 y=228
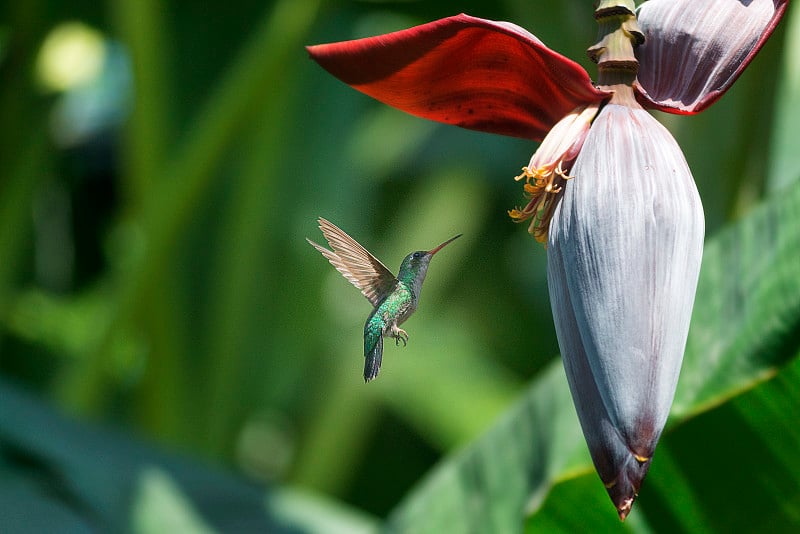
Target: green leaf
x=161 y=506
x=83 y=478
x=744 y=451
x=745 y=325
x=307 y=513
x=485 y=487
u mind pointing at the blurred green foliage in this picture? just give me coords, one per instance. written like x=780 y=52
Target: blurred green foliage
x=155 y=278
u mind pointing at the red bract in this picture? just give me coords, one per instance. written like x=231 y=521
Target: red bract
x=474 y=73
x=497 y=77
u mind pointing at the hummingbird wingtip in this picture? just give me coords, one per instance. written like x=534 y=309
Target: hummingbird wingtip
x=320 y=248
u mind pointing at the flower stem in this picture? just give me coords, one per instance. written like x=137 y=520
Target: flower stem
x=618 y=34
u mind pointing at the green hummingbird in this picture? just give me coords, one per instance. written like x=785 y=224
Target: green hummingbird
x=394 y=299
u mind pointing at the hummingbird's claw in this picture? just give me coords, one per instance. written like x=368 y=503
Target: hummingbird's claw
x=399 y=335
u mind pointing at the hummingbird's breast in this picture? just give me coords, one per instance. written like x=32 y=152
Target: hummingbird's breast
x=397 y=307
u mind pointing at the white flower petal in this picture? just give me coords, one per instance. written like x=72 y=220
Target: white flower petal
x=694 y=50
x=624 y=256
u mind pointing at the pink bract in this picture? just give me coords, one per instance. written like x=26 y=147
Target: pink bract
x=695 y=50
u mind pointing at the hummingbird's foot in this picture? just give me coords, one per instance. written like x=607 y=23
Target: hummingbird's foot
x=399 y=335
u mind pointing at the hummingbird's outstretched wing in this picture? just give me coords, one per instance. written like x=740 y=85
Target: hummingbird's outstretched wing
x=364 y=270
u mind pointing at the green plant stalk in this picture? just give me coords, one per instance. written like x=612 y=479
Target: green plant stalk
x=149 y=127
x=24 y=156
x=242 y=269
x=784 y=168
x=16 y=196
x=336 y=441
x=168 y=211
x=163 y=398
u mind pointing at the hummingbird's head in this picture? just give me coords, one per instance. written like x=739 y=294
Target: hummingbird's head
x=415 y=265
x=416 y=261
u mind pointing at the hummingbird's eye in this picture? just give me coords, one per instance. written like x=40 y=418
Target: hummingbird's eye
x=418 y=254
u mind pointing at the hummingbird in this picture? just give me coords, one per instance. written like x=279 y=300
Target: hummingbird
x=393 y=299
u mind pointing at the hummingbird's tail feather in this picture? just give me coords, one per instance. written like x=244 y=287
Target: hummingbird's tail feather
x=372 y=361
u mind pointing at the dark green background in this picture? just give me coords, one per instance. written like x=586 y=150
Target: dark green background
x=155 y=281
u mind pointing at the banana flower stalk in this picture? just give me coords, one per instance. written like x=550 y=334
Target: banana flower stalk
x=609 y=191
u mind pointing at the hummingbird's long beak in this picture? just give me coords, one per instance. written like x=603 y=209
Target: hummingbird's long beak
x=440 y=247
